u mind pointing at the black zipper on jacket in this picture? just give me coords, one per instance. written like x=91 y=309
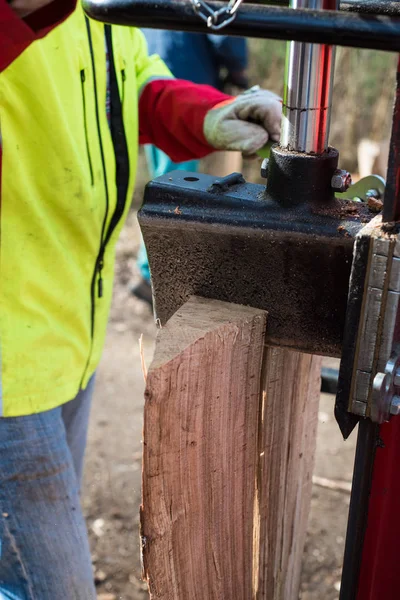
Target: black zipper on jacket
x=99 y=260
x=83 y=79
x=122 y=171
x=121 y=159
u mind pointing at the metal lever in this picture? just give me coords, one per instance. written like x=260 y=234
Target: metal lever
x=323 y=27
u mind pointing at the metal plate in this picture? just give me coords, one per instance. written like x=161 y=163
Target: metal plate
x=238 y=245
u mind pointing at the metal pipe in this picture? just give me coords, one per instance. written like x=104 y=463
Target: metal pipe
x=324 y=27
x=367 y=442
x=391 y=203
x=308 y=90
x=373 y=7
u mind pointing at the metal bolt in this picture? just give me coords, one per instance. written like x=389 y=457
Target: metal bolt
x=264 y=168
x=341 y=180
x=395 y=406
x=380 y=405
x=396 y=379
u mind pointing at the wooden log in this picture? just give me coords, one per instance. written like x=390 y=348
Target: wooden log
x=229 y=441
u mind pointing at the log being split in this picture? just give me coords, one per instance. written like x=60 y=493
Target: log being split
x=229 y=442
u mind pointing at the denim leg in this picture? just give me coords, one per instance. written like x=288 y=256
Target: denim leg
x=44 y=546
x=75 y=415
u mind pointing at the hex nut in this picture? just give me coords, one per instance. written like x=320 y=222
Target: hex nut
x=341 y=181
x=395 y=406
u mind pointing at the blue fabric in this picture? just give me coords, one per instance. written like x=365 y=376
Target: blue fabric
x=198 y=57
x=142 y=264
x=159 y=164
x=44 y=549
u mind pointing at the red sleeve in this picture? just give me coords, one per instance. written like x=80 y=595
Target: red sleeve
x=17 y=34
x=171 y=116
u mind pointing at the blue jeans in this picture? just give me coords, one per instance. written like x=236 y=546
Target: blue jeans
x=44 y=549
x=159 y=164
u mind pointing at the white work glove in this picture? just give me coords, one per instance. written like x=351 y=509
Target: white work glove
x=246 y=123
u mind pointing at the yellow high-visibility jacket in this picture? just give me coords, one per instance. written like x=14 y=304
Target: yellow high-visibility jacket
x=61 y=209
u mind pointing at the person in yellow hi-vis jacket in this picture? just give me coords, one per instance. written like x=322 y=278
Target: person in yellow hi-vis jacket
x=76 y=99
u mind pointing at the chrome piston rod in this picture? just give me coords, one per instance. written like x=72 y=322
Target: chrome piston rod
x=308 y=90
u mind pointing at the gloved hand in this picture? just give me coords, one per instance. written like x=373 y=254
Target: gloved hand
x=245 y=123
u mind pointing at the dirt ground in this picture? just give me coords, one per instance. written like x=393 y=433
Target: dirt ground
x=113 y=469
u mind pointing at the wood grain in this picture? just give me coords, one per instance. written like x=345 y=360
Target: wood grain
x=229 y=440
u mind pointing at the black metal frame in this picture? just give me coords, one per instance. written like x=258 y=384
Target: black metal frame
x=389 y=8
x=391 y=207
x=367 y=443
x=217 y=241
x=368 y=432
x=328 y=27
x=371 y=24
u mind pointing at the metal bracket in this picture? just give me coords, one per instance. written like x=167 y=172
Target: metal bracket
x=372 y=186
x=232 y=241
x=371 y=353
x=216 y=19
x=377 y=327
